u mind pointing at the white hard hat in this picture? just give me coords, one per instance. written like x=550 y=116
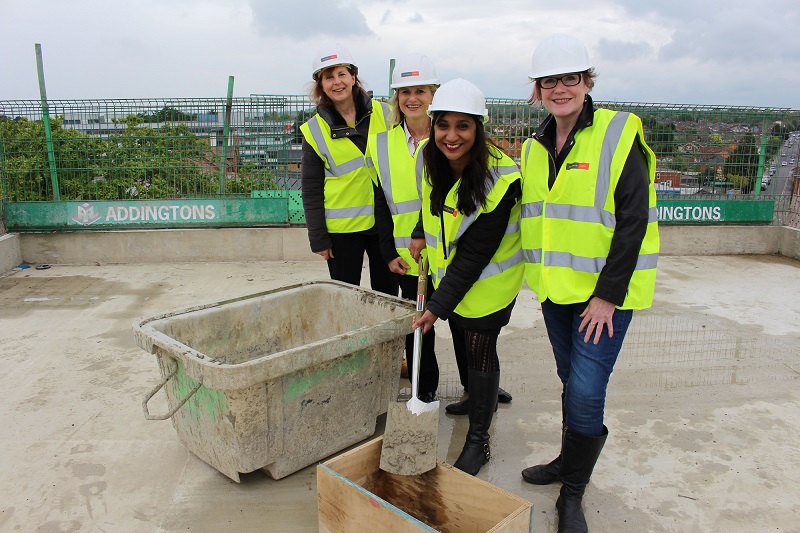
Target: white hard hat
x=412 y=70
x=559 y=54
x=330 y=56
x=460 y=96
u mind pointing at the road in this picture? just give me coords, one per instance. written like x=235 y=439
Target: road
x=780 y=182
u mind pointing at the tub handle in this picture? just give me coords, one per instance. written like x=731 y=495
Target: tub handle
x=158 y=387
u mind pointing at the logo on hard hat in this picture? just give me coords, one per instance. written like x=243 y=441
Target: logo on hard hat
x=328 y=58
x=407 y=74
x=579 y=166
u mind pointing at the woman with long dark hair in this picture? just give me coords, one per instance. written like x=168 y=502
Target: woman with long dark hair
x=470 y=194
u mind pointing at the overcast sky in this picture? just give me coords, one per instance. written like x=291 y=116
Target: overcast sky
x=715 y=52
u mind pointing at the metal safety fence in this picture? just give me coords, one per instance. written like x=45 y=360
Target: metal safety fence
x=160 y=148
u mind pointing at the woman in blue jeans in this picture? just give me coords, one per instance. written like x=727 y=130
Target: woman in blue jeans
x=590 y=240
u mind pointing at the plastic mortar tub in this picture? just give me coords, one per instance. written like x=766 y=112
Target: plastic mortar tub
x=280 y=379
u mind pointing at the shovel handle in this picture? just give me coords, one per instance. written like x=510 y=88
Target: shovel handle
x=422 y=286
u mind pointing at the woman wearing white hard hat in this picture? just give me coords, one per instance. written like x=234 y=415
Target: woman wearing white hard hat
x=337 y=185
x=590 y=238
x=414 y=81
x=470 y=212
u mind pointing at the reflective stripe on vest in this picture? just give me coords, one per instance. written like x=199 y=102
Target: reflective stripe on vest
x=500 y=281
x=331 y=168
x=348 y=194
x=536 y=213
x=394 y=167
x=385 y=173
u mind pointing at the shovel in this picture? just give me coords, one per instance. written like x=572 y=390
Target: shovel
x=411 y=437
x=415 y=405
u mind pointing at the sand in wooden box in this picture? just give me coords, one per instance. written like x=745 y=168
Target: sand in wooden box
x=354 y=494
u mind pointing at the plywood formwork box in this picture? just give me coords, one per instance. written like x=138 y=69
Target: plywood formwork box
x=355 y=495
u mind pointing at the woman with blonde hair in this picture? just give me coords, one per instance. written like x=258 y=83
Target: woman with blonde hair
x=391 y=155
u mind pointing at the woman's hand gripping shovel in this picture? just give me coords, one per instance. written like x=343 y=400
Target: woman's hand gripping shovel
x=412 y=429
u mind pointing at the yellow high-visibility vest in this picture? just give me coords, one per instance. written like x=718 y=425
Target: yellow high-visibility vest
x=388 y=155
x=349 y=199
x=567 y=231
x=501 y=280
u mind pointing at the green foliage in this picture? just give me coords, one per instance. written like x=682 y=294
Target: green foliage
x=708 y=175
x=300 y=119
x=743 y=161
x=137 y=162
x=744 y=183
x=659 y=136
x=167 y=114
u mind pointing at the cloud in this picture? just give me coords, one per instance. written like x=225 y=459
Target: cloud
x=304 y=19
x=622 y=51
x=416 y=18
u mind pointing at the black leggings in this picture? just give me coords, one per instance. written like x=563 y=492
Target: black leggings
x=477 y=347
x=348 y=260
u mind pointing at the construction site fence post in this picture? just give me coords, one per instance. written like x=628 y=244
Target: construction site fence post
x=46 y=121
x=223 y=167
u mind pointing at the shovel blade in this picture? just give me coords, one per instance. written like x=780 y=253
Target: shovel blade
x=417 y=406
x=410 y=440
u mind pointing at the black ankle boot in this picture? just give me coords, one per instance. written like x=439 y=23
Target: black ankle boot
x=543 y=474
x=458 y=408
x=546 y=473
x=579 y=455
x=503 y=396
x=482 y=405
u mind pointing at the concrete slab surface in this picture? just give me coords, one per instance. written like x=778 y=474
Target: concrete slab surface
x=703 y=407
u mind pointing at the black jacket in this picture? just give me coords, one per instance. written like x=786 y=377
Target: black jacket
x=632 y=206
x=475 y=249
x=312 y=171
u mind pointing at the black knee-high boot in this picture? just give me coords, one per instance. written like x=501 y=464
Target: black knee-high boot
x=547 y=473
x=579 y=455
x=482 y=404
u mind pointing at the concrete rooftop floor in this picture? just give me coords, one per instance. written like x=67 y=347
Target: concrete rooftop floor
x=703 y=407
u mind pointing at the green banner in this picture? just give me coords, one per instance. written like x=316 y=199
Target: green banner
x=715 y=211
x=106 y=215
x=248 y=212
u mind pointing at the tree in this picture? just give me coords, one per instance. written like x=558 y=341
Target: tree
x=660 y=137
x=300 y=119
x=139 y=161
x=743 y=161
x=168 y=114
x=744 y=183
x=707 y=176
x=26 y=168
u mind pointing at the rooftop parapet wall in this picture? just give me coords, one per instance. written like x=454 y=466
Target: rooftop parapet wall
x=10 y=252
x=291 y=244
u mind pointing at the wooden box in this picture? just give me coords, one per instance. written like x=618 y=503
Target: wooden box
x=355 y=495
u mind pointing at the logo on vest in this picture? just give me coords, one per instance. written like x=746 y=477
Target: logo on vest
x=578 y=166
x=450 y=210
